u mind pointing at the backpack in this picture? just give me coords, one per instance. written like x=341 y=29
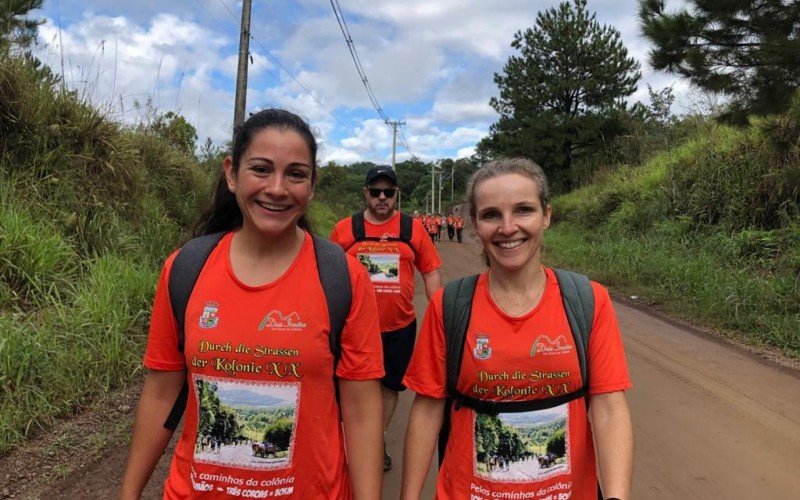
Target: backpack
x=578 y=299
x=360 y=234
x=333 y=275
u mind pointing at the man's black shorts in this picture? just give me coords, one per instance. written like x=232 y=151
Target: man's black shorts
x=397 y=348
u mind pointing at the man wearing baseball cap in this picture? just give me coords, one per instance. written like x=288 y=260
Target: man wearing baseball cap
x=391 y=245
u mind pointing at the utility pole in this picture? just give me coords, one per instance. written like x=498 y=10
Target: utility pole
x=241 y=74
x=394 y=125
x=452 y=180
x=433 y=186
x=440 y=192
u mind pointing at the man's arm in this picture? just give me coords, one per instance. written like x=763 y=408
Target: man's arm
x=613 y=435
x=433 y=282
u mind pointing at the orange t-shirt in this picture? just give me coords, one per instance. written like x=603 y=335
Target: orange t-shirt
x=262 y=418
x=390 y=265
x=546 y=454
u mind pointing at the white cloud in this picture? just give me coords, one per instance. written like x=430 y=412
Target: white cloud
x=341 y=156
x=170 y=63
x=429 y=63
x=465 y=152
x=372 y=136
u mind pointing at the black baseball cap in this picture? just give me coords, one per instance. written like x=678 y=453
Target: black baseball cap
x=382 y=171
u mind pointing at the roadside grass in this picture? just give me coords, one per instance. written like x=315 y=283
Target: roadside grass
x=691 y=279
x=709 y=229
x=89 y=209
x=58 y=358
x=323 y=218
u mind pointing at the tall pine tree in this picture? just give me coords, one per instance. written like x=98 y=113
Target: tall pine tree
x=746 y=50
x=15 y=26
x=559 y=96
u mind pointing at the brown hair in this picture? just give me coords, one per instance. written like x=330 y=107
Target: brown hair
x=224 y=214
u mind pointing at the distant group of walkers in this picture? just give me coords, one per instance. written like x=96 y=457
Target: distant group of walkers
x=434 y=223
x=352 y=344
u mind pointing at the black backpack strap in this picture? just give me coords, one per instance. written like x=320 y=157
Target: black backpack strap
x=578 y=298
x=357 y=224
x=406 y=226
x=335 y=278
x=495 y=407
x=183 y=275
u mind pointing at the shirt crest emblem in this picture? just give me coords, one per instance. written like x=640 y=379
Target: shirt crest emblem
x=209 y=318
x=482 y=349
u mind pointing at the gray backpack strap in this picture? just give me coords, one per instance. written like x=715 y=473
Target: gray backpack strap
x=578 y=298
x=335 y=278
x=183 y=275
x=456 y=310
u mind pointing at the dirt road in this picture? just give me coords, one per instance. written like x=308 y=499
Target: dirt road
x=711 y=421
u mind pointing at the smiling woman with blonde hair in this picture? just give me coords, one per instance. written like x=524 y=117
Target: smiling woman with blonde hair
x=540 y=356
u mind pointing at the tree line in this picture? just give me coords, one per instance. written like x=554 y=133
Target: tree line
x=493 y=438
x=563 y=93
x=341 y=186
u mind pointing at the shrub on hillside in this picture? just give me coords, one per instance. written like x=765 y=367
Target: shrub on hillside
x=734 y=178
x=89 y=209
x=729 y=178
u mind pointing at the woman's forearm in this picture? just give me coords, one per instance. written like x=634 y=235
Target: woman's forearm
x=613 y=434
x=362 y=415
x=424 y=424
x=150 y=438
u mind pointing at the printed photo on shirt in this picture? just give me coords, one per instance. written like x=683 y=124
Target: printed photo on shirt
x=521 y=447
x=245 y=424
x=382 y=267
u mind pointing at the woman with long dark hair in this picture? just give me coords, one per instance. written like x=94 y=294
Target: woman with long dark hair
x=273 y=394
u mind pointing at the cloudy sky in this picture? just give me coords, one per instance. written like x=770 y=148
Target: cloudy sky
x=429 y=63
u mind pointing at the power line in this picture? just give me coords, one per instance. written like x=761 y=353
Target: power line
x=337 y=11
x=255 y=61
x=278 y=63
x=348 y=38
x=404 y=143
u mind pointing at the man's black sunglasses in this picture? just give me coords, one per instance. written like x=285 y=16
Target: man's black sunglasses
x=376 y=192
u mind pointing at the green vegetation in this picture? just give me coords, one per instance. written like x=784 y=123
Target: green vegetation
x=561 y=93
x=88 y=211
x=215 y=418
x=709 y=229
x=743 y=49
x=495 y=440
x=339 y=188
